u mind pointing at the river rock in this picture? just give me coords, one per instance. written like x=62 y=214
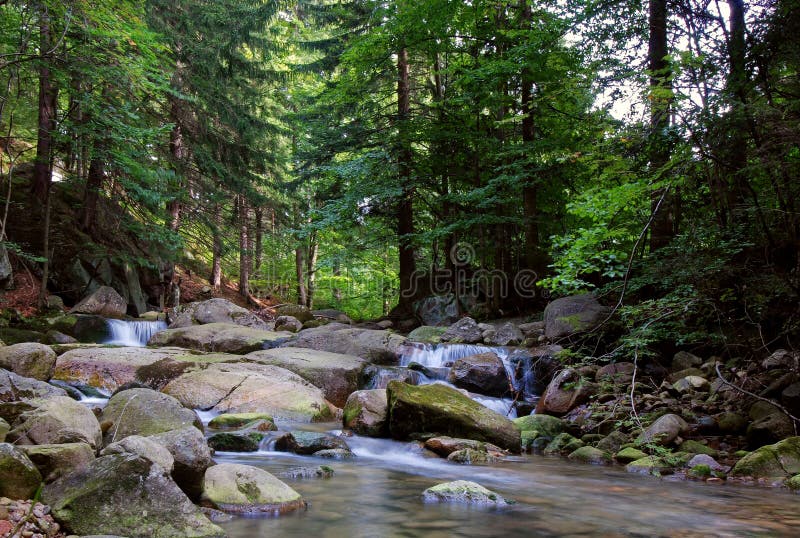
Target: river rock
x=590 y=454
x=235 y=421
x=483 y=373
x=16 y=393
x=463 y=492
x=380 y=347
x=29 y=360
x=505 y=335
x=144 y=412
x=55 y=461
x=684 y=360
x=4 y=429
x=144 y=447
x=219 y=337
x=780 y=460
x=299 y=312
x=651 y=465
x=336 y=374
x=20 y=477
x=629 y=454
x=427 y=334
x=216 y=310
x=104 y=301
x=562 y=444
x=244 y=489
x=613 y=441
x=709 y=461
x=463 y=331
x=56 y=420
x=307 y=443
x=618 y=373
x=126 y=495
x=664 y=430
x=444 y=446
x=288 y=323
x=567 y=390
x=365 y=413
x=546 y=425
x=691 y=383
x=236 y=441
x=568 y=316
x=192 y=457
x=471 y=456
x=769 y=429
x=441 y=410
x=731 y=423
x=252 y=388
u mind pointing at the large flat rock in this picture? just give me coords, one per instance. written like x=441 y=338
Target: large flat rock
x=338 y=375
x=220 y=337
x=380 y=347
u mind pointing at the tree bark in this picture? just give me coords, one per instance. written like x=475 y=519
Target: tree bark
x=405 y=209
x=300 y=267
x=48 y=94
x=216 y=262
x=259 y=247
x=311 y=270
x=244 y=246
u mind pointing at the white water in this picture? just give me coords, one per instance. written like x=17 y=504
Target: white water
x=443 y=355
x=132 y=333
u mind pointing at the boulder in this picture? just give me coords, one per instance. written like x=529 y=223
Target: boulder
x=56 y=420
x=126 y=495
x=144 y=412
x=56 y=337
x=695 y=447
x=4 y=428
x=463 y=492
x=144 y=447
x=471 y=456
x=708 y=461
x=463 y=331
x=769 y=429
x=235 y=421
x=782 y=359
x=629 y=454
x=216 y=311
x=437 y=310
x=546 y=425
x=651 y=465
x=20 y=477
x=288 y=323
x=567 y=390
x=219 y=337
x=731 y=423
x=29 y=360
x=299 y=312
x=337 y=375
x=307 y=443
x=505 y=335
x=692 y=383
x=618 y=373
x=590 y=454
x=16 y=393
x=10 y=336
x=613 y=441
x=483 y=373
x=243 y=489
x=436 y=409
x=104 y=301
x=298 y=473
x=663 y=431
x=380 y=347
x=191 y=455
x=236 y=441
x=365 y=413
x=562 y=444
x=55 y=461
x=427 y=334
x=251 y=388
x=684 y=360
x=444 y=446
x=568 y=316
x=780 y=460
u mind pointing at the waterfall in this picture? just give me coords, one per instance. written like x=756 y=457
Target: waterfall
x=132 y=333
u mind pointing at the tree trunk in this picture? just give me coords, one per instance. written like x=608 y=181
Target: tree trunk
x=244 y=252
x=405 y=209
x=311 y=270
x=42 y=299
x=216 y=263
x=94 y=184
x=259 y=248
x=737 y=88
x=663 y=203
x=48 y=93
x=300 y=267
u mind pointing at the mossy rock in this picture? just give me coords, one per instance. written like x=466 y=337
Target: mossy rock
x=629 y=454
x=235 y=421
x=463 y=492
x=527 y=438
x=651 y=465
x=470 y=456
x=4 y=429
x=244 y=489
x=20 y=477
x=335 y=454
x=55 y=461
x=427 y=334
x=297 y=473
x=793 y=483
x=700 y=471
x=613 y=442
x=236 y=442
x=780 y=460
x=307 y=443
x=145 y=412
x=590 y=454
x=546 y=425
x=563 y=444
x=694 y=447
x=13 y=336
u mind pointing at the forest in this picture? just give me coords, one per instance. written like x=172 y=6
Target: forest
x=363 y=155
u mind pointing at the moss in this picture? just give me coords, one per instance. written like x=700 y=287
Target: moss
x=564 y=444
x=793 y=483
x=649 y=465
x=700 y=471
x=351 y=411
x=238 y=420
x=629 y=454
x=236 y=442
x=588 y=454
x=546 y=425
x=694 y=447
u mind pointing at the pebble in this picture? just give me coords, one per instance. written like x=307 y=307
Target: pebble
x=40 y=524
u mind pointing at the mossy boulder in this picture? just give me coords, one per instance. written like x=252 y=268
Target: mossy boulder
x=104 y=301
x=219 y=337
x=365 y=413
x=4 y=428
x=427 y=334
x=629 y=454
x=235 y=421
x=126 y=495
x=236 y=442
x=546 y=425
x=145 y=447
x=335 y=454
x=651 y=465
x=793 y=483
x=56 y=420
x=192 y=457
x=144 y=412
x=431 y=410
x=11 y=336
x=568 y=316
x=664 y=430
x=307 y=443
x=252 y=388
x=471 y=456
x=55 y=461
x=29 y=360
x=20 y=477
x=691 y=446
x=731 y=423
x=17 y=392
x=779 y=460
x=216 y=310
x=590 y=454
x=463 y=492
x=563 y=444
x=613 y=442
x=244 y=489
x=769 y=429
x=444 y=446
x=336 y=374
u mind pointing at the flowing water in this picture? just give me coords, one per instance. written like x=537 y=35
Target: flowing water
x=132 y=333
x=379 y=494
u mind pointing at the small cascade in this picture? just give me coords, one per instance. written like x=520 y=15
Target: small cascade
x=132 y=333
